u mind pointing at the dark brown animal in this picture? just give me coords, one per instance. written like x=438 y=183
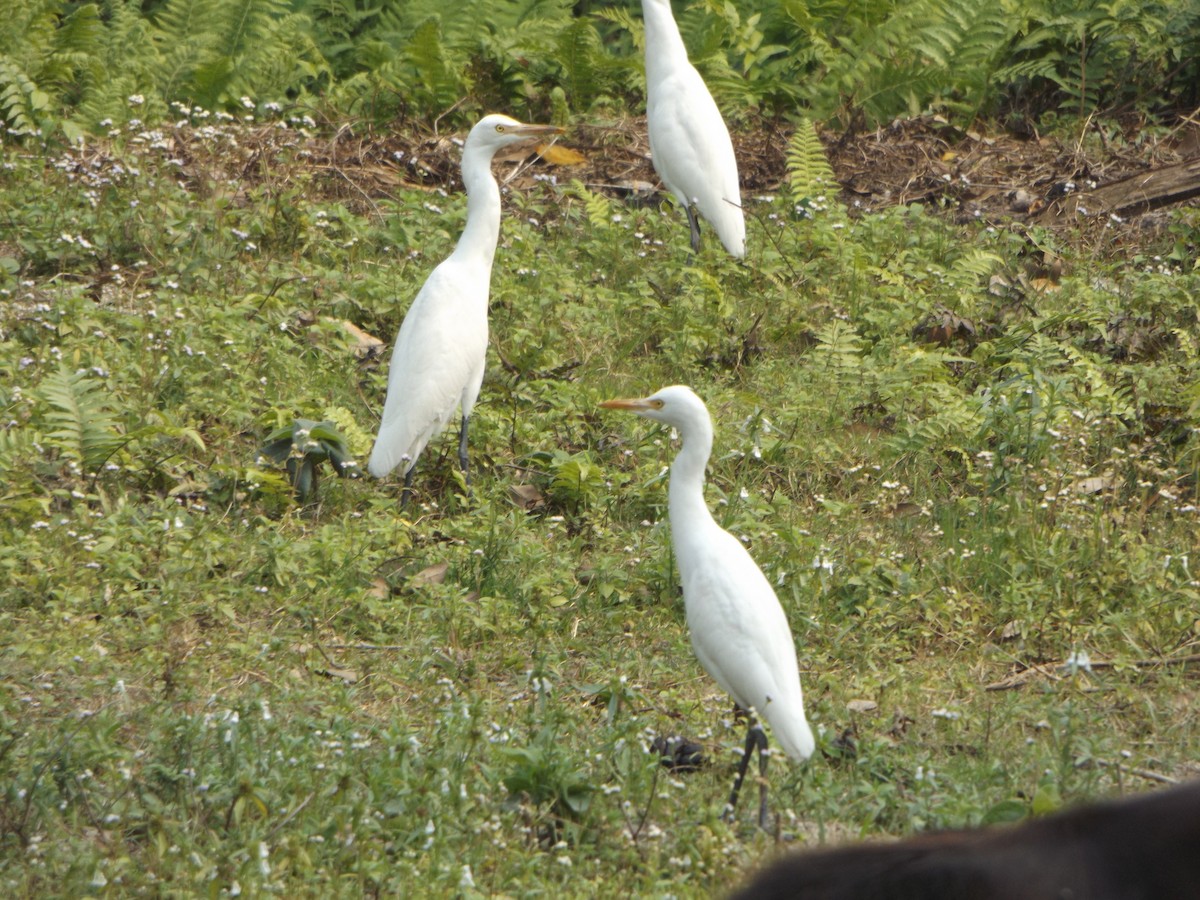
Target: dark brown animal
x=1141 y=848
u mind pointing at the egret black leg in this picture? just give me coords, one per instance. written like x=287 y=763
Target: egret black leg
x=462 y=450
x=694 y=225
x=763 y=759
x=755 y=738
x=406 y=494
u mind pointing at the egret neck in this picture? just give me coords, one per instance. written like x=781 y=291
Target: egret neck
x=662 y=34
x=689 y=514
x=482 y=231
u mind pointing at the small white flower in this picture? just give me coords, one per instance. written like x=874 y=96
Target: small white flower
x=1079 y=659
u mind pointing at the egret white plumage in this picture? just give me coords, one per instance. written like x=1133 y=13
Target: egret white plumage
x=689 y=143
x=438 y=361
x=738 y=629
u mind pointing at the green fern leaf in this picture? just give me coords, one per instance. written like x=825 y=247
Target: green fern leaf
x=17 y=445
x=82 y=426
x=840 y=346
x=184 y=42
x=578 y=46
x=82 y=32
x=808 y=169
x=622 y=18
x=575 y=480
x=20 y=100
x=598 y=207
x=428 y=55
x=973 y=267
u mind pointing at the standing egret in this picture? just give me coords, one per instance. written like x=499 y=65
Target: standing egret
x=738 y=629
x=689 y=143
x=438 y=362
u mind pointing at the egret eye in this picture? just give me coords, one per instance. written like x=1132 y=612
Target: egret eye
x=500 y=128
x=657 y=404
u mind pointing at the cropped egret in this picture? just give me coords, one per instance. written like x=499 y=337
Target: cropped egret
x=438 y=361
x=738 y=629
x=689 y=143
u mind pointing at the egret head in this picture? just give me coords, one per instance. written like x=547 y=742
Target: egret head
x=496 y=130
x=677 y=406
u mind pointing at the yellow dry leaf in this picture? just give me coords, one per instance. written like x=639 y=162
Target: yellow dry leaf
x=347 y=675
x=557 y=155
x=434 y=574
x=1093 y=485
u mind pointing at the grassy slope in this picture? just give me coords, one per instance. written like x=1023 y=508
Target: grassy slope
x=206 y=686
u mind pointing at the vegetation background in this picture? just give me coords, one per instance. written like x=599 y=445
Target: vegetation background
x=964 y=448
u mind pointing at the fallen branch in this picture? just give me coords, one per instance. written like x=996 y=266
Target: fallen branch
x=1148 y=774
x=1135 y=194
x=1147 y=663
x=295 y=811
x=1020 y=679
x=366 y=647
x=1053 y=672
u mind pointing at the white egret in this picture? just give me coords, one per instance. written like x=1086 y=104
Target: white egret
x=738 y=629
x=438 y=361
x=689 y=143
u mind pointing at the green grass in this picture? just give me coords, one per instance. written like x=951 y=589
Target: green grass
x=210 y=688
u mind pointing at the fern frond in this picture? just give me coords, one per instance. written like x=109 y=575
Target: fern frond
x=80 y=33
x=577 y=47
x=281 y=56
x=17 y=445
x=973 y=267
x=427 y=54
x=622 y=18
x=21 y=100
x=1044 y=66
x=184 y=40
x=598 y=207
x=950 y=424
x=213 y=52
x=28 y=31
x=840 y=346
x=808 y=169
x=247 y=21
x=575 y=479
x=83 y=427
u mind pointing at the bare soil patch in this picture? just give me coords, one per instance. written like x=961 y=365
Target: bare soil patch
x=964 y=174
x=1108 y=187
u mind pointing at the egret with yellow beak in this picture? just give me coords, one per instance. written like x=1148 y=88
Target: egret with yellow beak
x=738 y=629
x=438 y=362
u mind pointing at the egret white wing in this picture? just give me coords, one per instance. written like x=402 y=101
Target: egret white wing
x=741 y=636
x=440 y=351
x=693 y=153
